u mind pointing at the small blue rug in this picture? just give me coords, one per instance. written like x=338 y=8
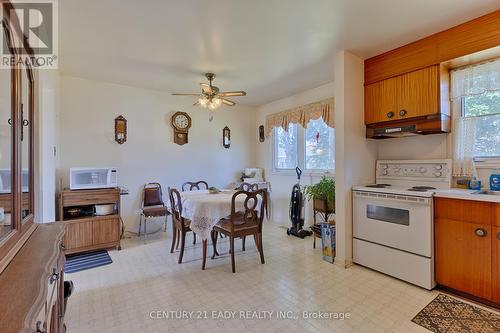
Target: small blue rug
x=81 y=262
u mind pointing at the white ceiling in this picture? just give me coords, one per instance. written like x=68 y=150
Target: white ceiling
x=270 y=48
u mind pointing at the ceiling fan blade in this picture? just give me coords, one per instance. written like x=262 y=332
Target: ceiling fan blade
x=186 y=94
x=232 y=93
x=227 y=102
x=206 y=88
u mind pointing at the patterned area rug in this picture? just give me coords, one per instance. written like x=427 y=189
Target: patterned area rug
x=446 y=314
x=80 y=262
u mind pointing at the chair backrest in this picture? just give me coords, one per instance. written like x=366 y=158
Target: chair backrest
x=176 y=206
x=199 y=185
x=249 y=187
x=253 y=205
x=152 y=195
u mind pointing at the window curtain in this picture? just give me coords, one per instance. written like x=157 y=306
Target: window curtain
x=469 y=81
x=302 y=115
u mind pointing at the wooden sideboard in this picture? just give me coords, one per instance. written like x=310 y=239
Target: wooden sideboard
x=90 y=232
x=32 y=285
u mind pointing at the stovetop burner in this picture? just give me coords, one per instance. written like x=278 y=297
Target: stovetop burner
x=421 y=188
x=378 y=185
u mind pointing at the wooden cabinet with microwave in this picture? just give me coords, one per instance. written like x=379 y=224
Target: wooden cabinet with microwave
x=467 y=247
x=419 y=93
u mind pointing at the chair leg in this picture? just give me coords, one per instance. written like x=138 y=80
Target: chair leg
x=204 y=241
x=166 y=220
x=214 y=237
x=232 y=254
x=256 y=241
x=183 y=240
x=140 y=225
x=244 y=238
x=194 y=238
x=261 y=248
x=145 y=232
x=174 y=238
x=314 y=241
x=178 y=238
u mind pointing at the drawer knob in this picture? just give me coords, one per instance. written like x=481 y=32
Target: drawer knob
x=390 y=114
x=498 y=235
x=480 y=232
x=402 y=113
x=54 y=276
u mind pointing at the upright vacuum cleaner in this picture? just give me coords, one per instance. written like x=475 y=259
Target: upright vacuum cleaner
x=296 y=208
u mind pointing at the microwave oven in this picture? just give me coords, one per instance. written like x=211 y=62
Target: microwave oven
x=92 y=178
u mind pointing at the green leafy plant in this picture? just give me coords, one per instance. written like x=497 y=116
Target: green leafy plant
x=325 y=189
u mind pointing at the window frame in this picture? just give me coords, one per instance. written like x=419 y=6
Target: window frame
x=301 y=155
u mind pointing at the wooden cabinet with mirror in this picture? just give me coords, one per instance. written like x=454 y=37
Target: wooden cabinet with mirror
x=31 y=256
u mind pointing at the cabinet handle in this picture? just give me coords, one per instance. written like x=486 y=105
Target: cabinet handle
x=54 y=276
x=498 y=235
x=480 y=232
x=390 y=114
x=40 y=327
x=402 y=113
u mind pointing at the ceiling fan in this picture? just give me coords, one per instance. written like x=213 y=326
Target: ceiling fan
x=210 y=96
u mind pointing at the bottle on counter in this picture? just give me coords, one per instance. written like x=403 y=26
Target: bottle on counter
x=495 y=180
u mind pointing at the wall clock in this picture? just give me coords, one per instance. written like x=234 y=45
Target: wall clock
x=181 y=122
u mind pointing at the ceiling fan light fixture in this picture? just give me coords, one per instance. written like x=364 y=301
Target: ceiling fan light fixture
x=203 y=101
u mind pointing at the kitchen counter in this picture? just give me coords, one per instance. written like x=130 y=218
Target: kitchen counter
x=458 y=193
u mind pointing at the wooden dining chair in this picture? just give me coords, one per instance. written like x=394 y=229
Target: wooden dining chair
x=248 y=187
x=199 y=185
x=181 y=226
x=242 y=223
x=152 y=205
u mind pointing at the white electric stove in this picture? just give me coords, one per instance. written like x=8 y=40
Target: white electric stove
x=393 y=222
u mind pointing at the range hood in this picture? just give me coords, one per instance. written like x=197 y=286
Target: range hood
x=433 y=124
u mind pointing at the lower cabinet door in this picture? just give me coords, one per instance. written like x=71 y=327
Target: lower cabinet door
x=78 y=234
x=106 y=230
x=496 y=264
x=463 y=256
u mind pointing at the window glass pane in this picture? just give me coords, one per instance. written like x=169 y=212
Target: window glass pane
x=487 y=136
x=5 y=153
x=319 y=146
x=487 y=107
x=483 y=104
x=285 y=147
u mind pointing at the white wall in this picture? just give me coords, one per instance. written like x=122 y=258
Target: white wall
x=282 y=182
x=354 y=154
x=88 y=109
x=47 y=134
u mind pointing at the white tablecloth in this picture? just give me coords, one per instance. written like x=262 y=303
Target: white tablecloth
x=205 y=209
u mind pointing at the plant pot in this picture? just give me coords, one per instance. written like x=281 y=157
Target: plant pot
x=321 y=205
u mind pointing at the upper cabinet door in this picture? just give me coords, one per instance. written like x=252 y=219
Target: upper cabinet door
x=409 y=95
x=27 y=143
x=380 y=101
x=418 y=93
x=6 y=118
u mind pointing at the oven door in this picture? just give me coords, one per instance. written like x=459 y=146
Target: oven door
x=397 y=221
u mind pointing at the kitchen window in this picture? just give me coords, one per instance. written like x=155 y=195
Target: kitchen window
x=475 y=96
x=311 y=149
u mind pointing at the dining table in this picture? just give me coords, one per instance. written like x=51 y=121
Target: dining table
x=205 y=209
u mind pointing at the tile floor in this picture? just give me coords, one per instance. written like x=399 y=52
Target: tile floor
x=145 y=279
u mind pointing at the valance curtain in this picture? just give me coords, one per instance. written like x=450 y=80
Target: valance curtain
x=469 y=81
x=302 y=115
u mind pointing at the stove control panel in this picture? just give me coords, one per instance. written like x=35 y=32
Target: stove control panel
x=434 y=170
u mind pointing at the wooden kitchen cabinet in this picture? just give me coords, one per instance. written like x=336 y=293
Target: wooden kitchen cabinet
x=463 y=259
x=413 y=94
x=495 y=241
x=90 y=232
x=467 y=247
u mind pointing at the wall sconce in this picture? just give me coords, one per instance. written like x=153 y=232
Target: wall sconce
x=120 y=129
x=226 y=137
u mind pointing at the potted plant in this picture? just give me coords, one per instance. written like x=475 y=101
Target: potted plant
x=322 y=194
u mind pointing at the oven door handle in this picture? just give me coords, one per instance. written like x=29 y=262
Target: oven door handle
x=421 y=201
